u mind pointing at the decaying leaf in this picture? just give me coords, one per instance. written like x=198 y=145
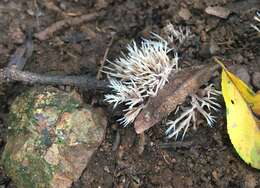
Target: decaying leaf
x=182 y=84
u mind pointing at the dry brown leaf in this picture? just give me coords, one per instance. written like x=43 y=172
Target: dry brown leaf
x=182 y=84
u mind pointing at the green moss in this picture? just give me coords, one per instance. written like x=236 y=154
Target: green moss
x=46 y=138
x=71 y=105
x=38 y=174
x=59 y=100
x=21 y=113
x=60 y=137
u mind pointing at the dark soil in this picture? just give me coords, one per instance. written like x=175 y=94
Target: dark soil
x=206 y=157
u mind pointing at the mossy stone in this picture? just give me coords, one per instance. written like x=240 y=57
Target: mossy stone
x=52 y=135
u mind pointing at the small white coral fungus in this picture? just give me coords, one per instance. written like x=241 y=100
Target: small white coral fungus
x=143 y=71
x=138 y=74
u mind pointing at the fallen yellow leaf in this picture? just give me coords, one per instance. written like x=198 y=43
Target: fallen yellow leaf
x=242 y=126
x=251 y=98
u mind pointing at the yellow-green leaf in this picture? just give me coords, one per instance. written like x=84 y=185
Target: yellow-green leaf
x=242 y=126
x=251 y=98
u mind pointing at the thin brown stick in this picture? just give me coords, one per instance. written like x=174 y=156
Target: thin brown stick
x=46 y=33
x=50 y=5
x=21 y=54
x=84 y=82
x=104 y=58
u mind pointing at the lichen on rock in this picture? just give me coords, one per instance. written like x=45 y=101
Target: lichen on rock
x=52 y=135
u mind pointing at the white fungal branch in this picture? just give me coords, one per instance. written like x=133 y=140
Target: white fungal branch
x=129 y=94
x=204 y=105
x=256 y=18
x=138 y=74
x=179 y=34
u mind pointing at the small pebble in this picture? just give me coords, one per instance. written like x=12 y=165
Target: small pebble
x=238 y=58
x=185 y=14
x=250 y=181
x=218 y=11
x=101 y=4
x=17 y=35
x=63 y=6
x=243 y=74
x=30 y=12
x=213 y=48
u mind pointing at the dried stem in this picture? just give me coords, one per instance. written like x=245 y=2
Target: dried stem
x=83 y=82
x=46 y=33
x=104 y=58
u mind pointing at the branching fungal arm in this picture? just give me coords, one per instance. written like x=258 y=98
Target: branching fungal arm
x=204 y=105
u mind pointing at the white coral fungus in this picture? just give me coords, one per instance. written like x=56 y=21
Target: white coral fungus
x=144 y=70
x=203 y=105
x=138 y=74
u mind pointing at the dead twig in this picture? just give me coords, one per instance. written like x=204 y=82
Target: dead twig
x=141 y=143
x=104 y=58
x=84 y=82
x=117 y=141
x=177 y=145
x=46 y=33
x=181 y=85
x=50 y=5
x=22 y=54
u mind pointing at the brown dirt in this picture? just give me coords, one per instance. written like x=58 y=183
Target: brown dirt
x=206 y=157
